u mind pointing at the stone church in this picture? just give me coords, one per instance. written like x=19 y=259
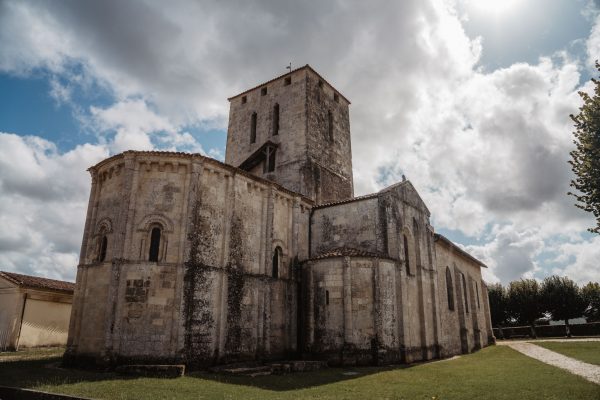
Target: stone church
x=186 y=259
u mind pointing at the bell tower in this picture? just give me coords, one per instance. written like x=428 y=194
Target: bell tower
x=295 y=131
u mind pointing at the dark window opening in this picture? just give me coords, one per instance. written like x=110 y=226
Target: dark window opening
x=477 y=293
x=287 y=81
x=154 y=245
x=406 y=258
x=263 y=91
x=465 y=295
x=276 y=262
x=320 y=83
x=327 y=297
x=271 y=167
x=449 y=289
x=253 y=128
x=336 y=97
x=330 y=125
x=103 y=246
x=276 y=119
x=244 y=99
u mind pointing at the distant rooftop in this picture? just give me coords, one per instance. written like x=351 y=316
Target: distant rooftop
x=36 y=282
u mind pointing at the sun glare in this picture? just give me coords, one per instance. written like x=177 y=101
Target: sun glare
x=495 y=7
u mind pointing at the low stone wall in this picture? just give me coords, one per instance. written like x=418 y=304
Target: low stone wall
x=515 y=332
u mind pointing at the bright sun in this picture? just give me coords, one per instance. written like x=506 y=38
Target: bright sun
x=495 y=7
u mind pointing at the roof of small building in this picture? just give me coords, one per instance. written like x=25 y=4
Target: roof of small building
x=37 y=282
x=441 y=238
x=349 y=252
x=286 y=74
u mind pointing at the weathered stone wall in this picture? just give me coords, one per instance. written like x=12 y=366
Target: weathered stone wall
x=328 y=148
x=394 y=313
x=211 y=297
x=466 y=328
x=291 y=138
x=353 y=224
x=310 y=159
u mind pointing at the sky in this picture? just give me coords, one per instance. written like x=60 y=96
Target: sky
x=470 y=99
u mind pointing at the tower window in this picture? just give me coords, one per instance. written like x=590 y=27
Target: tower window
x=477 y=293
x=154 y=244
x=269 y=165
x=336 y=97
x=263 y=91
x=244 y=99
x=327 y=297
x=276 y=262
x=406 y=257
x=330 y=125
x=321 y=84
x=287 y=81
x=276 y=119
x=449 y=289
x=253 y=128
x=103 y=246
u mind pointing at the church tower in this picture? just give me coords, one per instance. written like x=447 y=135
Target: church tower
x=295 y=131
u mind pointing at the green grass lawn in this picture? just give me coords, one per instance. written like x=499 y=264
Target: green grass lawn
x=588 y=352
x=493 y=373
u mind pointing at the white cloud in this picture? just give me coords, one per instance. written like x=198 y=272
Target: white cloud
x=583 y=260
x=484 y=149
x=43 y=198
x=135 y=127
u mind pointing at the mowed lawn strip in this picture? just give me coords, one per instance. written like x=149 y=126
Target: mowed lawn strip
x=493 y=373
x=588 y=352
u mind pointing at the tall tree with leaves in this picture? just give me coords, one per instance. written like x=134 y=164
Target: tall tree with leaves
x=585 y=159
x=525 y=302
x=498 y=304
x=562 y=299
x=591 y=295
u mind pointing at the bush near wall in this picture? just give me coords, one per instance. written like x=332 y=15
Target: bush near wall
x=515 y=332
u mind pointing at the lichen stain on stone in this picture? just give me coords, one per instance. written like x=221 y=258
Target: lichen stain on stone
x=235 y=286
x=197 y=284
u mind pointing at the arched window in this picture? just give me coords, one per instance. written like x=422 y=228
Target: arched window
x=253 y=128
x=103 y=246
x=465 y=295
x=416 y=238
x=330 y=125
x=406 y=254
x=276 y=262
x=276 y=119
x=154 y=244
x=477 y=293
x=449 y=289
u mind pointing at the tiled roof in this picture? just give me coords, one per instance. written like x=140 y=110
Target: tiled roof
x=349 y=252
x=286 y=74
x=335 y=203
x=37 y=283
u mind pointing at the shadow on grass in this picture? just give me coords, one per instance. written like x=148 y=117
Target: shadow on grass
x=296 y=380
x=31 y=374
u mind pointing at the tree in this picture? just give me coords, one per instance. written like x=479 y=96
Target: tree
x=591 y=295
x=562 y=299
x=585 y=160
x=524 y=302
x=498 y=304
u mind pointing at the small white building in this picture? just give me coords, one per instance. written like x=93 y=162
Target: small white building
x=34 y=311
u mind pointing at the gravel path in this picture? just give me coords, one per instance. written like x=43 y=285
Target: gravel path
x=588 y=371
